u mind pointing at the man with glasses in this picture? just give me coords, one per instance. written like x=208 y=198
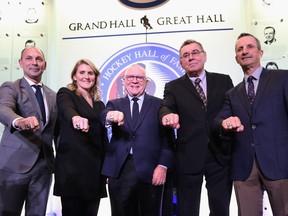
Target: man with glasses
x=190 y=105
x=139 y=154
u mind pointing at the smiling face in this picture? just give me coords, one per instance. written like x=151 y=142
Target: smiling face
x=84 y=77
x=135 y=80
x=248 y=54
x=33 y=63
x=192 y=59
x=269 y=34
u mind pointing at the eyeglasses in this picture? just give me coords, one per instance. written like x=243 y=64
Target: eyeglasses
x=138 y=78
x=195 y=53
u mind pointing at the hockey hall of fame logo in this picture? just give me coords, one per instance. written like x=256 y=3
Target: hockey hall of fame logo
x=142 y=3
x=161 y=63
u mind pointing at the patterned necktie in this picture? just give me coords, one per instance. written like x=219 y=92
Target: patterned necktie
x=135 y=110
x=251 y=93
x=200 y=91
x=40 y=100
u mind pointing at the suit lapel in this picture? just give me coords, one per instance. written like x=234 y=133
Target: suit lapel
x=263 y=81
x=145 y=107
x=243 y=96
x=125 y=103
x=210 y=83
x=187 y=83
x=31 y=95
x=143 y=112
x=49 y=100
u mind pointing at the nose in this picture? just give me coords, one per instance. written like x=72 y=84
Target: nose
x=34 y=61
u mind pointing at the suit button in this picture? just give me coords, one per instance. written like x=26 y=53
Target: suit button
x=253 y=127
x=252 y=145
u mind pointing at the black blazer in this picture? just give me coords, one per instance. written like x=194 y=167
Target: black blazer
x=151 y=142
x=79 y=155
x=195 y=132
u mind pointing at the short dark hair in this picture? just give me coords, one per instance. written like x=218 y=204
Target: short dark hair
x=270 y=27
x=187 y=42
x=271 y=63
x=244 y=34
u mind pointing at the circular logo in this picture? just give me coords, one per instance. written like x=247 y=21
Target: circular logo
x=161 y=63
x=142 y=3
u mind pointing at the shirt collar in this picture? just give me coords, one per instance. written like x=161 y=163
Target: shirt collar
x=202 y=77
x=141 y=97
x=32 y=83
x=256 y=74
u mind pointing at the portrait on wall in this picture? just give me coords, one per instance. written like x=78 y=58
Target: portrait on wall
x=269 y=33
x=32 y=16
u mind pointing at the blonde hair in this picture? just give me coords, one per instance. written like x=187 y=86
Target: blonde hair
x=95 y=90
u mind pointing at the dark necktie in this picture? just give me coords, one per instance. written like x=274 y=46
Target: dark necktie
x=135 y=110
x=40 y=100
x=200 y=91
x=251 y=93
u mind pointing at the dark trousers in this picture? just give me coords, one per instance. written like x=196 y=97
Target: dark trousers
x=76 y=206
x=129 y=197
x=168 y=205
x=218 y=184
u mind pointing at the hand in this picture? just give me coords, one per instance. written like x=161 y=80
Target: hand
x=30 y=123
x=159 y=175
x=232 y=124
x=80 y=123
x=115 y=117
x=171 y=120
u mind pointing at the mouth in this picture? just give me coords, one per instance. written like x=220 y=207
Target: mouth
x=192 y=64
x=245 y=57
x=35 y=69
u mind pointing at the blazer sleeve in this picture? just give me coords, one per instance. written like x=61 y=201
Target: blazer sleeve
x=65 y=104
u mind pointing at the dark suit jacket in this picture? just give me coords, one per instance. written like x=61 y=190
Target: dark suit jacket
x=151 y=142
x=265 y=132
x=79 y=155
x=194 y=134
x=19 y=150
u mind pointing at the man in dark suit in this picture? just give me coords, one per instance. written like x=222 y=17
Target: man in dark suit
x=256 y=119
x=139 y=154
x=26 y=154
x=198 y=152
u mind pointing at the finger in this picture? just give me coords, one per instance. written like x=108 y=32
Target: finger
x=35 y=122
x=241 y=128
x=120 y=123
x=27 y=126
x=110 y=116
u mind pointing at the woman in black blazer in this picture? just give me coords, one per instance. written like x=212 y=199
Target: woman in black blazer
x=80 y=148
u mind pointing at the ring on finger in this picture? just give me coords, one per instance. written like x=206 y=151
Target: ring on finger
x=111 y=117
x=167 y=119
x=229 y=124
x=27 y=126
x=77 y=126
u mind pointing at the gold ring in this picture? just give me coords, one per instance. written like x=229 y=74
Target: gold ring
x=111 y=117
x=27 y=126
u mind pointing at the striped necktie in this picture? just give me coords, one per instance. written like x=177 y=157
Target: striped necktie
x=200 y=91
